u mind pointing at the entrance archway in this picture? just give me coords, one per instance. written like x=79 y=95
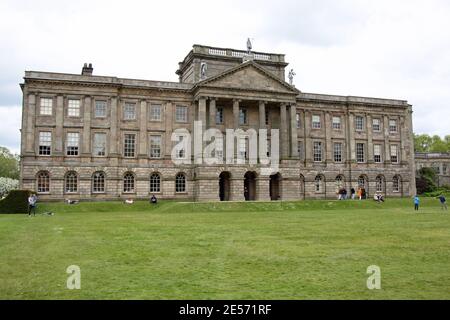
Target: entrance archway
x=250 y=186
x=224 y=186
x=275 y=184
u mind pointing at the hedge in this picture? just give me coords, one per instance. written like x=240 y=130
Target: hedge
x=15 y=202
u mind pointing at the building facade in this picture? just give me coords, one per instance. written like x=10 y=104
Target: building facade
x=440 y=162
x=96 y=137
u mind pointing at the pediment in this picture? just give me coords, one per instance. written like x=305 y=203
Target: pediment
x=249 y=76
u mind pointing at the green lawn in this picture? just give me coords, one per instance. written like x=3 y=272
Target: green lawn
x=283 y=250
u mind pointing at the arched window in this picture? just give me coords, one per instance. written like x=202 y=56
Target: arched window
x=396 y=184
x=362 y=182
x=318 y=184
x=339 y=182
x=180 y=183
x=71 y=182
x=128 y=182
x=155 y=182
x=98 y=182
x=379 y=182
x=43 y=182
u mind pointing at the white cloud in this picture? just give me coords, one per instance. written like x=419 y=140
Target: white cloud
x=392 y=49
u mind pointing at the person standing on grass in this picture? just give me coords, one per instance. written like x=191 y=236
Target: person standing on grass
x=352 y=193
x=32 y=199
x=416 y=203
x=443 y=202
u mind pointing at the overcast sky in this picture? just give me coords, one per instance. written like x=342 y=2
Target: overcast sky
x=384 y=48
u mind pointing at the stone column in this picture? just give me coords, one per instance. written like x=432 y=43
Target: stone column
x=30 y=126
x=169 y=118
x=237 y=189
x=387 y=149
x=351 y=134
x=284 y=143
x=369 y=139
x=201 y=116
x=262 y=115
x=202 y=111
x=236 y=113
x=212 y=112
x=143 y=137
x=412 y=165
x=114 y=139
x=328 y=143
x=403 y=140
x=263 y=188
x=59 y=119
x=294 y=132
x=86 y=148
x=308 y=143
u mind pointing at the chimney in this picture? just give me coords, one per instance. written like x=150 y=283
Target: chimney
x=87 y=70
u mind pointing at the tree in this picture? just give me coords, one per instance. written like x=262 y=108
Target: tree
x=425 y=182
x=9 y=164
x=6 y=185
x=426 y=143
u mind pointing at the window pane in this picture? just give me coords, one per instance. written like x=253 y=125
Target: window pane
x=46 y=106
x=155 y=112
x=181 y=114
x=129 y=145
x=317 y=151
x=72 y=143
x=219 y=115
x=316 y=122
x=338 y=152
x=99 y=144
x=71 y=182
x=98 y=182
x=155 y=183
x=45 y=143
x=155 y=146
x=336 y=123
x=360 y=157
x=180 y=183
x=129 y=111
x=43 y=182
x=100 y=109
x=73 y=108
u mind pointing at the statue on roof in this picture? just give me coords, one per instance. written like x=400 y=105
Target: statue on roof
x=249 y=46
x=291 y=77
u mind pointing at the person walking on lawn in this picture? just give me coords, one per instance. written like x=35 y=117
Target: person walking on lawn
x=443 y=202
x=416 y=203
x=32 y=199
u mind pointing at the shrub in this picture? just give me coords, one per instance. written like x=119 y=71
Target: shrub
x=6 y=185
x=15 y=202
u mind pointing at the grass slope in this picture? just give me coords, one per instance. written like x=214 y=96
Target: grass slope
x=277 y=250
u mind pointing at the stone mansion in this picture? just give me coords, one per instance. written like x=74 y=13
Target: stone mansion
x=95 y=137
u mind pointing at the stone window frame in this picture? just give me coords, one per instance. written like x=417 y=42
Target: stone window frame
x=363 y=182
x=180 y=153
x=243 y=112
x=317 y=153
x=319 y=182
x=52 y=107
x=125 y=105
x=153 y=183
x=300 y=150
x=71 y=185
x=181 y=181
x=129 y=180
x=161 y=147
x=68 y=107
x=380 y=183
x=379 y=124
x=95 y=175
x=396 y=183
x=298 y=120
x=178 y=108
x=360 y=127
x=336 y=125
x=152 y=107
x=267 y=116
x=375 y=153
x=361 y=153
x=66 y=142
x=46 y=175
x=136 y=144
x=397 y=155
x=316 y=125
x=393 y=129
x=220 y=115
x=38 y=144
x=93 y=133
x=338 y=156
x=340 y=181
x=107 y=108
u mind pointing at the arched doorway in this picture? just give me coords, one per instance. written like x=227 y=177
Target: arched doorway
x=224 y=186
x=250 y=186
x=275 y=184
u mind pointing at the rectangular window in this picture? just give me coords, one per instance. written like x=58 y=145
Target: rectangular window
x=242 y=116
x=155 y=112
x=300 y=150
x=336 y=123
x=73 y=108
x=129 y=145
x=316 y=122
x=99 y=147
x=376 y=125
x=337 y=152
x=317 y=151
x=360 y=156
x=180 y=152
x=394 y=153
x=219 y=148
x=129 y=111
x=46 y=107
x=298 y=121
x=155 y=146
x=100 y=109
x=267 y=117
x=243 y=148
x=45 y=143
x=359 y=123
x=181 y=114
x=377 y=153
x=219 y=115
x=392 y=126
x=72 y=143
